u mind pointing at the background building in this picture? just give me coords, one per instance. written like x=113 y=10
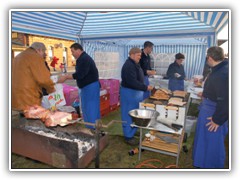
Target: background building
x=55 y=47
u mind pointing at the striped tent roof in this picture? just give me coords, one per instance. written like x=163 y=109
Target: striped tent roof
x=105 y=25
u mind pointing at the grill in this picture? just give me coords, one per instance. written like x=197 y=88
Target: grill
x=71 y=146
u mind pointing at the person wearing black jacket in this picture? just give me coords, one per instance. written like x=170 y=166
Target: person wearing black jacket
x=212 y=124
x=145 y=63
x=176 y=73
x=131 y=92
x=206 y=70
x=87 y=79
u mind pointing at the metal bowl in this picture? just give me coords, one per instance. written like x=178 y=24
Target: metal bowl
x=142 y=117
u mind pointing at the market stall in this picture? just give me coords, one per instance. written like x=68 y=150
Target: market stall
x=114 y=40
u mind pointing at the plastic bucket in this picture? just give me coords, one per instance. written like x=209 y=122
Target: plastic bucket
x=190 y=124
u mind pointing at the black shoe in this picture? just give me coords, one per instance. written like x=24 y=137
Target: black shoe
x=132 y=141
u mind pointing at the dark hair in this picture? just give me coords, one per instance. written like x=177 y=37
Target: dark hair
x=76 y=46
x=148 y=44
x=216 y=52
x=179 y=56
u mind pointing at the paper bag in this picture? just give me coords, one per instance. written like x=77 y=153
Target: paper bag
x=54 y=99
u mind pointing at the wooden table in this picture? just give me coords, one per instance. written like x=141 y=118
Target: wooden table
x=165 y=142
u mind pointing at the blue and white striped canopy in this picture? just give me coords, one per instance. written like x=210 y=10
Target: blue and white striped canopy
x=107 y=25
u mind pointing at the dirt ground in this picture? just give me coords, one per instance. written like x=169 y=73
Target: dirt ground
x=115 y=155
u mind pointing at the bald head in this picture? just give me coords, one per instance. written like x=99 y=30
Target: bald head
x=40 y=49
x=38 y=46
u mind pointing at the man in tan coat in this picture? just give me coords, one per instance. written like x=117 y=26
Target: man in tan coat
x=29 y=76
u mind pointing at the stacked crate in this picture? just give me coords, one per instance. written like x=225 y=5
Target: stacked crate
x=70 y=94
x=114 y=94
x=112 y=86
x=104 y=104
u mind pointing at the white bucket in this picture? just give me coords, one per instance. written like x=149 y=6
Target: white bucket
x=190 y=124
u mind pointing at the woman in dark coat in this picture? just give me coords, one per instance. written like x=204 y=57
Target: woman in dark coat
x=176 y=73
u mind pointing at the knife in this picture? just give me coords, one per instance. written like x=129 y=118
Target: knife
x=177 y=126
x=173 y=126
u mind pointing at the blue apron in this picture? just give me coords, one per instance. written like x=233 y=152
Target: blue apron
x=129 y=100
x=209 y=148
x=146 y=93
x=175 y=84
x=90 y=103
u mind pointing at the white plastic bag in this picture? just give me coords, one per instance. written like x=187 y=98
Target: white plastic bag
x=54 y=99
x=54 y=78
